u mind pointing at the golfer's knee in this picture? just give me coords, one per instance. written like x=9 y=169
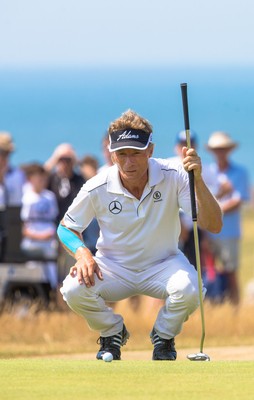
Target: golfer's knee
x=185 y=292
x=190 y=292
x=191 y=296
x=71 y=291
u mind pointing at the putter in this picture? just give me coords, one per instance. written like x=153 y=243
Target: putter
x=195 y=356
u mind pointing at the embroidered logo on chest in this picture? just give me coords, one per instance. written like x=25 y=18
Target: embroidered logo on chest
x=157 y=196
x=115 y=207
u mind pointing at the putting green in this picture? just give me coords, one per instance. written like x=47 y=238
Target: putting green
x=50 y=379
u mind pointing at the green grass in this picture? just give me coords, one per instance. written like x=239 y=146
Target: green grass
x=26 y=379
x=56 y=333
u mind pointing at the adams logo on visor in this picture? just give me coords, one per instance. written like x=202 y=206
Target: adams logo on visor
x=129 y=138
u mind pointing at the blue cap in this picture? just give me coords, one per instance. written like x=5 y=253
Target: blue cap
x=181 y=137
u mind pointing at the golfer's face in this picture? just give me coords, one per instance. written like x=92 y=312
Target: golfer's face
x=132 y=164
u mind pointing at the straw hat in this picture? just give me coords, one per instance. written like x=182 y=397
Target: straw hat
x=6 y=143
x=220 y=140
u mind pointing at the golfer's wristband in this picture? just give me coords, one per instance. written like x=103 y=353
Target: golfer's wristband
x=69 y=239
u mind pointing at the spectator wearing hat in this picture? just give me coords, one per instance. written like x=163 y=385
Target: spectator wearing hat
x=65 y=182
x=186 y=240
x=234 y=191
x=207 y=175
x=186 y=243
x=12 y=178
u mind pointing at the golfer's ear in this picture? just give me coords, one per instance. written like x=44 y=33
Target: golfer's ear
x=112 y=157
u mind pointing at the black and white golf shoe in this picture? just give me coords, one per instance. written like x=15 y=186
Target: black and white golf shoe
x=164 y=349
x=112 y=344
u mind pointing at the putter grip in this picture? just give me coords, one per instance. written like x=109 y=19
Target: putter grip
x=191 y=173
x=185 y=106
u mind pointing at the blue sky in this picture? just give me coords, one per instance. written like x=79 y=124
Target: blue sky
x=57 y=33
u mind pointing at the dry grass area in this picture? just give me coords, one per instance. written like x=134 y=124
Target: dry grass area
x=65 y=333
x=246 y=271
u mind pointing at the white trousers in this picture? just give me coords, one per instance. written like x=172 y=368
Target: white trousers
x=175 y=280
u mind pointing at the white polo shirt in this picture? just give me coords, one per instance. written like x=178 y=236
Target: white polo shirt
x=134 y=234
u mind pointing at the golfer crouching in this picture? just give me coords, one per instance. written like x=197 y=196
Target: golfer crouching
x=136 y=203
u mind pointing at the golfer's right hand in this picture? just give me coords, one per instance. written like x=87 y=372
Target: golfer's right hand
x=85 y=268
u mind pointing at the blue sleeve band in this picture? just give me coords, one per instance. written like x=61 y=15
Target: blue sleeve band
x=69 y=239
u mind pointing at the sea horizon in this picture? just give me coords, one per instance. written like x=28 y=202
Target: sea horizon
x=42 y=108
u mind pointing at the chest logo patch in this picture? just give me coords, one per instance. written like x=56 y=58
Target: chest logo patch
x=157 y=196
x=115 y=207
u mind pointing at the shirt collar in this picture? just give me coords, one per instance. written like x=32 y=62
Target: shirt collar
x=155 y=172
x=114 y=183
x=155 y=175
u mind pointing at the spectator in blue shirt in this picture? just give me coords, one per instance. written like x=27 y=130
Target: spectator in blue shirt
x=235 y=190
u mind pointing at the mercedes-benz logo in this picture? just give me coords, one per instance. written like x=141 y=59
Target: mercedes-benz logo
x=115 y=207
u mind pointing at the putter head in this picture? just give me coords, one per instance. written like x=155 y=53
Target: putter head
x=198 y=357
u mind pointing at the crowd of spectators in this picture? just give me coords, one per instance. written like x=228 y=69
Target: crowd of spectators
x=44 y=192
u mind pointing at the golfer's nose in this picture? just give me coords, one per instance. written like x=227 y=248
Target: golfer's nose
x=129 y=160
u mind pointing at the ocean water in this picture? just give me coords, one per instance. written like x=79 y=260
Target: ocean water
x=43 y=108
